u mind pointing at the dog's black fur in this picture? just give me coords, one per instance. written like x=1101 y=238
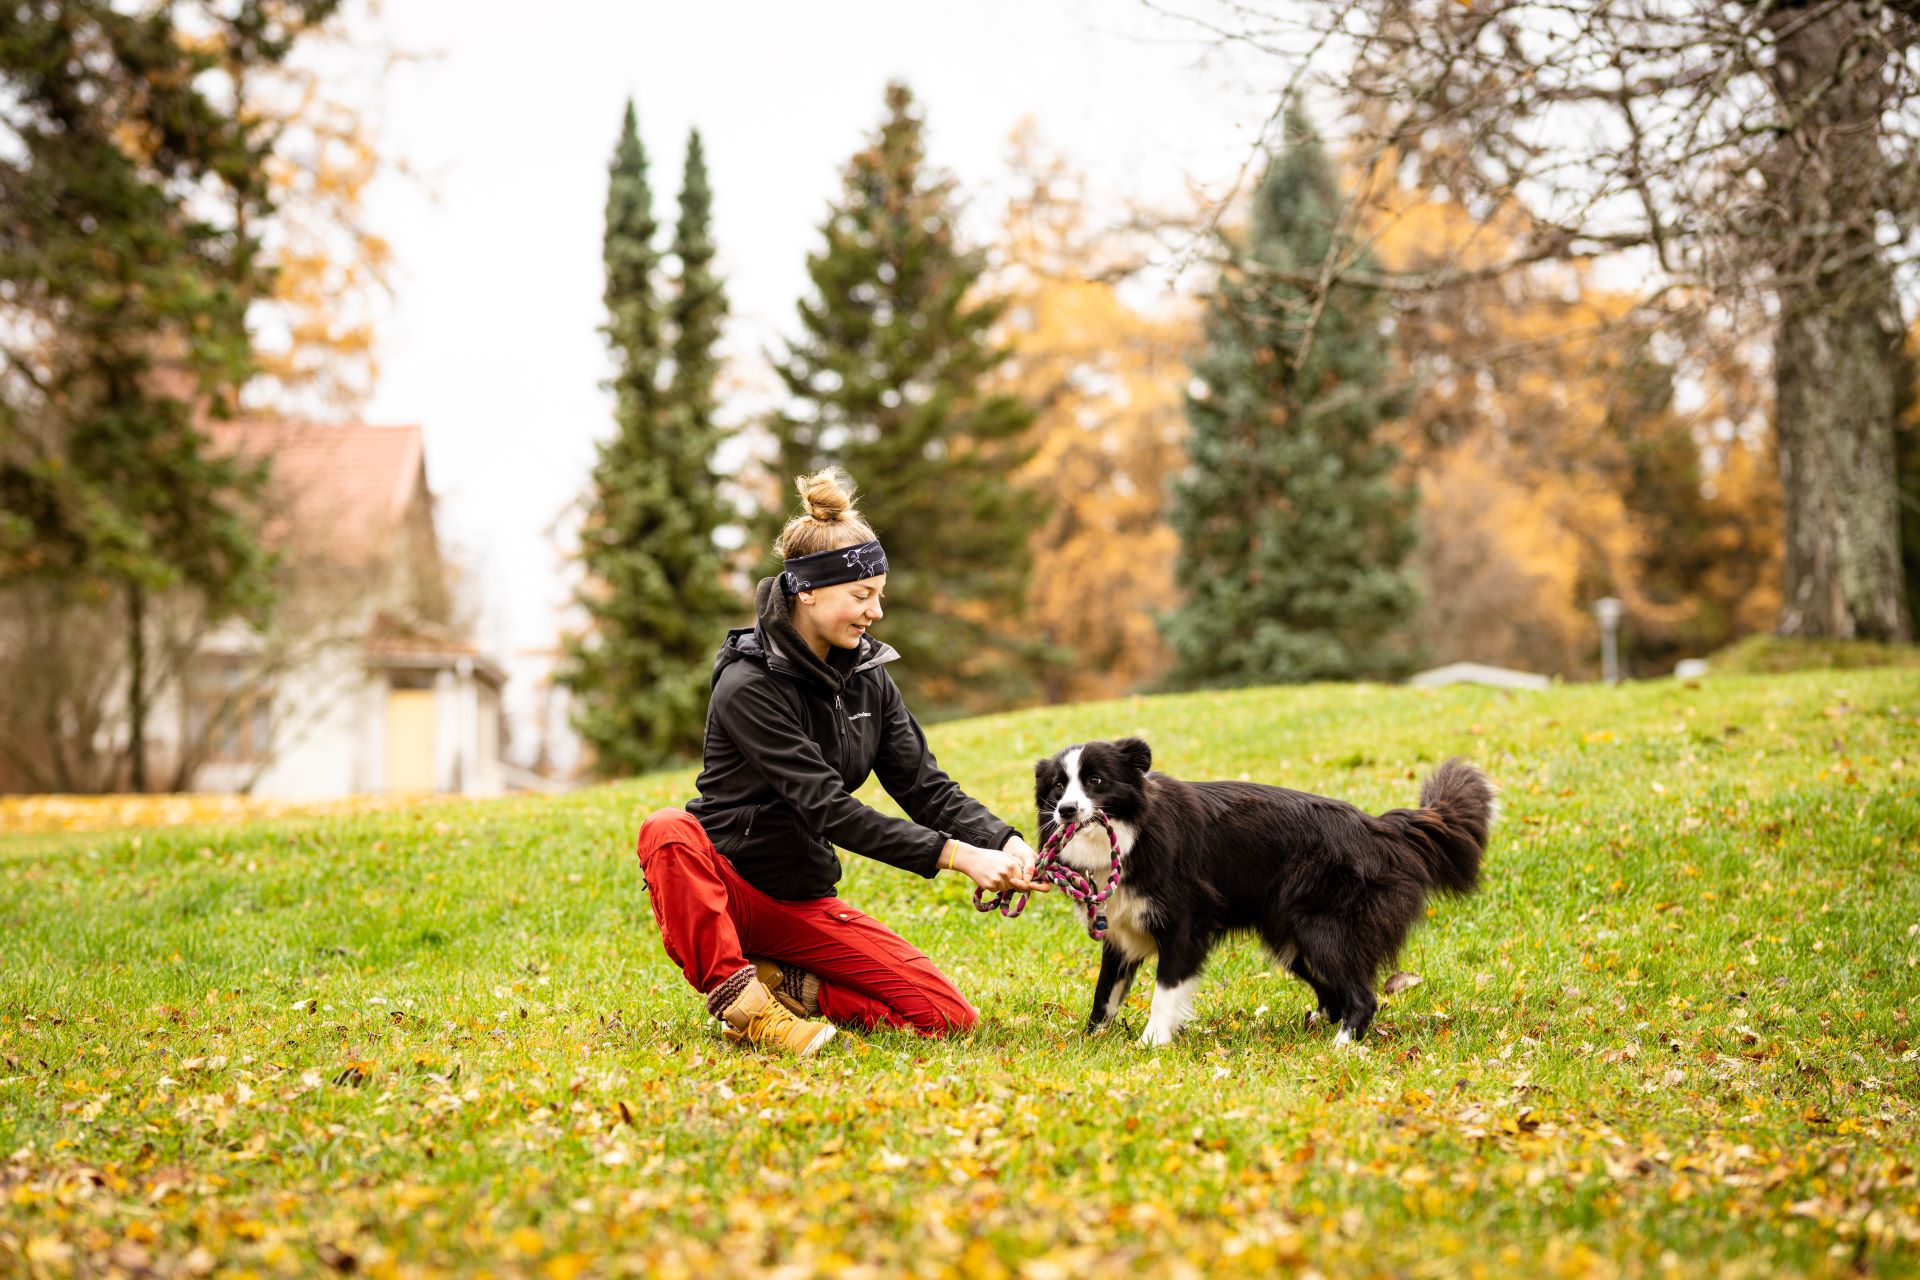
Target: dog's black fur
x=1330 y=889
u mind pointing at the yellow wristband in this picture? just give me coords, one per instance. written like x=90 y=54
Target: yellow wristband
x=949 y=853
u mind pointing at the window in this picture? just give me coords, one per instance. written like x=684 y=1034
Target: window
x=229 y=711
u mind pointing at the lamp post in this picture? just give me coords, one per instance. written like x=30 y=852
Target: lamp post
x=1608 y=611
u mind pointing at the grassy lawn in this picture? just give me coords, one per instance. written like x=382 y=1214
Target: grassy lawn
x=1672 y=1035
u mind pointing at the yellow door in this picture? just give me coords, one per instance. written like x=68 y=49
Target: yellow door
x=410 y=717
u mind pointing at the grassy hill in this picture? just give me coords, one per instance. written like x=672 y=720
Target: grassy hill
x=1671 y=1036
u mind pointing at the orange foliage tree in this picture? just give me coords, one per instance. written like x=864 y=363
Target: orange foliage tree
x=1106 y=379
x=1567 y=448
x=331 y=270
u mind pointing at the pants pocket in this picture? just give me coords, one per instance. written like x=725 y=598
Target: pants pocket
x=868 y=934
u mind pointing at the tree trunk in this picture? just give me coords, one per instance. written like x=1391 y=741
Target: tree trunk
x=137 y=686
x=1838 y=343
x=1834 y=387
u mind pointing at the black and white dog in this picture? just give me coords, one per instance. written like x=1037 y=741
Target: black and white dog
x=1330 y=889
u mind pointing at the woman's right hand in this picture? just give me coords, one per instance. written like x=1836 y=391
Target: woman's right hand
x=995 y=870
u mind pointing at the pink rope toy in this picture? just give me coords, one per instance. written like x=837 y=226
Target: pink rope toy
x=1077 y=886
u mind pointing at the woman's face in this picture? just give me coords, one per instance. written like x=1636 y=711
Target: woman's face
x=841 y=614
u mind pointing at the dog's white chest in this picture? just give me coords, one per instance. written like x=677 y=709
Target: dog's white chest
x=1127 y=920
x=1091 y=853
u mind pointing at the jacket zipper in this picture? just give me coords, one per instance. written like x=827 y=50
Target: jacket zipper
x=840 y=725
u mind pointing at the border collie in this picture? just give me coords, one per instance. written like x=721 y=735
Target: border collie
x=1330 y=889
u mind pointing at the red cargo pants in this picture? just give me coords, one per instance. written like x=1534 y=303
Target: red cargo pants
x=711 y=921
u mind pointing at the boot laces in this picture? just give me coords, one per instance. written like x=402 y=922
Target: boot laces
x=769 y=1023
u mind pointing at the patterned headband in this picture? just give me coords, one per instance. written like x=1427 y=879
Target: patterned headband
x=843 y=564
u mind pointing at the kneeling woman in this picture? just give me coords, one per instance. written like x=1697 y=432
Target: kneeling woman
x=803 y=711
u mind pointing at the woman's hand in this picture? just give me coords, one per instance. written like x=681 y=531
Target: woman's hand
x=1017 y=846
x=995 y=870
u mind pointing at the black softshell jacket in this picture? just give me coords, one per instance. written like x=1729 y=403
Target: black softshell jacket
x=790 y=739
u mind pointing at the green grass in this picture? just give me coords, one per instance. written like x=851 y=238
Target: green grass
x=1763 y=654
x=1671 y=1035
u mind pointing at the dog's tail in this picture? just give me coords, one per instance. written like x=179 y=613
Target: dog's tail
x=1448 y=832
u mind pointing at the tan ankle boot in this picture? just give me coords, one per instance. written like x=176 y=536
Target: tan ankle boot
x=754 y=1017
x=791 y=985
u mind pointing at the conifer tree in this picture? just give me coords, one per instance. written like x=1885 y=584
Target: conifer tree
x=655 y=592
x=889 y=380
x=1294 y=529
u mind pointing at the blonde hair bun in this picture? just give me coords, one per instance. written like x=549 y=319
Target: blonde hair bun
x=830 y=521
x=827 y=495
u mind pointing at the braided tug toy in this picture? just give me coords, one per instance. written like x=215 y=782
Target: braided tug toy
x=1078 y=887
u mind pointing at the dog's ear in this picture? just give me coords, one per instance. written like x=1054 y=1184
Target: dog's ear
x=1137 y=754
x=1043 y=769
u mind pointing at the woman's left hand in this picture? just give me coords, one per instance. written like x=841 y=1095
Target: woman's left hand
x=1019 y=848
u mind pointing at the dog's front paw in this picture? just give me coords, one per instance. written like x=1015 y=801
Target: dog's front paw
x=1153 y=1037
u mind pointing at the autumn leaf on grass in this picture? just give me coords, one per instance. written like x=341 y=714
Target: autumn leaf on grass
x=355 y=1073
x=1400 y=982
x=339 y=1258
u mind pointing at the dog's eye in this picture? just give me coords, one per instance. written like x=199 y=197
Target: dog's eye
x=1094 y=781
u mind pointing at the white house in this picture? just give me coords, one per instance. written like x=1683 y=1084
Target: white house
x=360 y=683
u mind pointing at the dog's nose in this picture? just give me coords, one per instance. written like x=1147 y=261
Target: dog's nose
x=1070 y=813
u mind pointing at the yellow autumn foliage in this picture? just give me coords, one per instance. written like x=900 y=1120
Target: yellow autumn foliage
x=1107 y=379
x=51 y=813
x=1544 y=424
x=314 y=339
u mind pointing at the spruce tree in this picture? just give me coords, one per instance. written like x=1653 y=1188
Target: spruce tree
x=1294 y=529
x=889 y=379
x=654 y=590
x=706 y=604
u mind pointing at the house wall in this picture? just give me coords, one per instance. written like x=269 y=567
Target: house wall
x=332 y=711
x=371 y=734
x=450 y=736
x=489 y=774
x=333 y=735
x=468 y=733
x=321 y=751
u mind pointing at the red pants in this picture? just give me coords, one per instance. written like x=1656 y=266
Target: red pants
x=711 y=921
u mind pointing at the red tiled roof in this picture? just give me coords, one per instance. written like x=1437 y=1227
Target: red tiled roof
x=339 y=490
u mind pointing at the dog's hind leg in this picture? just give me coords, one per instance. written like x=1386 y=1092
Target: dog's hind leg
x=1287 y=953
x=1331 y=1007
x=1343 y=979
x=1327 y=996
x=1110 y=992
x=1358 y=1015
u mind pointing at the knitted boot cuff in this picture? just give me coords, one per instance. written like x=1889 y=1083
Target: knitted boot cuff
x=727 y=992
x=802 y=986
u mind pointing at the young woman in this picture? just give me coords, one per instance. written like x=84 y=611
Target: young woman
x=742 y=879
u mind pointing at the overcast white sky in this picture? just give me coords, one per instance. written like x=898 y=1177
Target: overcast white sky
x=491 y=344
